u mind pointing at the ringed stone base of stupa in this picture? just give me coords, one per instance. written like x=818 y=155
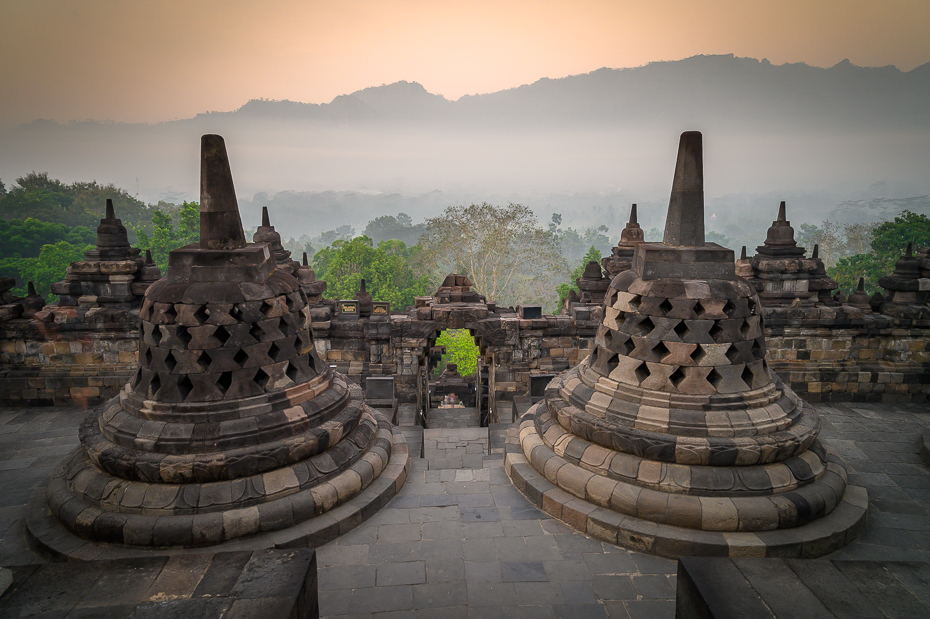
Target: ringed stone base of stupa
x=301 y=517
x=575 y=488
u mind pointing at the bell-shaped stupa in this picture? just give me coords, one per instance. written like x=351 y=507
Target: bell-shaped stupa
x=674 y=436
x=233 y=429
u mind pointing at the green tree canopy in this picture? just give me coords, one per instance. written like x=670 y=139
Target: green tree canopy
x=889 y=242
x=890 y=239
x=386 y=270
x=565 y=288
x=78 y=204
x=170 y=232
x=45 y=269
x=502 y=249
x=460 y=350
x=25 y=238
x=400 y=228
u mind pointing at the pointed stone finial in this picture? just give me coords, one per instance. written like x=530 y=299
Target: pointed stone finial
x=909 y=253
x=305 y=260
x=364 y=300
x=742 y=253
x=684 y=225
x=220 y=224
x=148 y=257
x=816 y=253
x=861 y=286
x=779 y=240
x=111 y=214
x=265 y=221
x=31 y=290
x=631 y=233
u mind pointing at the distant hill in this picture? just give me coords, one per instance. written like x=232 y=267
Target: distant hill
x=578 y=146
x=737 y=91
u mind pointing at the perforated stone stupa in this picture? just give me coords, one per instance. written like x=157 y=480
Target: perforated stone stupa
x=781 y=273
x=232 y=429
x=674 y=436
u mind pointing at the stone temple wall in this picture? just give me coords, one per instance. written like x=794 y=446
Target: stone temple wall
x=876 y=359
x=65 y=363
x=825 y=363
x=826 y=348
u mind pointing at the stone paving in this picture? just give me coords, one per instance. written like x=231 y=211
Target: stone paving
x=452 y=417
x=455 y=448
x=465 y=543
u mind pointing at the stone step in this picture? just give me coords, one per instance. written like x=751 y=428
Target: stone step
x=273 y=583
x=453 y=417
x=729 y=587
x=455 y=448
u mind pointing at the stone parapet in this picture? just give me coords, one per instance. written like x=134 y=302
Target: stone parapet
x=67 y=356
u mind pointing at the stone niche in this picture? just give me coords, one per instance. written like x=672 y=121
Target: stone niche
x=232 y=430
x=674 y=436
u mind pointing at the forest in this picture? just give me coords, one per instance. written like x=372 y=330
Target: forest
x=507 y=253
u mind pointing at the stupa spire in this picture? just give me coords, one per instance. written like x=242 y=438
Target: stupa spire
x=684 y=225
x=111 y=214
x=633 y=214
x=220 y=224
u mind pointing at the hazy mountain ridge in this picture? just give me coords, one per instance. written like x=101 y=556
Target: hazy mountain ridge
x=577 y=145
x=700 y=89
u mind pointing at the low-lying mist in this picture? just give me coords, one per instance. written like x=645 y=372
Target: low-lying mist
x=846 y=143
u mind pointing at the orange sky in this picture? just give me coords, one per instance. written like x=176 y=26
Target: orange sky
x=153 y=60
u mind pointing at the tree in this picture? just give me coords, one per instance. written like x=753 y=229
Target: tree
x=565 y=288
x=807 y=235
x=890 y=238
x=342 y=233
x=719 y=239
x=25 y=238
x=859 y=236
x=48 y=267
x=460 y=350
x=574 y=243
x=386 y=270
x=888 y=243
x=388 y=227
x=497 y=247
x=167 y=235
x=78 y=204
x=848 y=270
x=299 y=246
